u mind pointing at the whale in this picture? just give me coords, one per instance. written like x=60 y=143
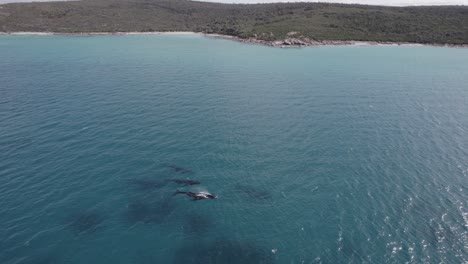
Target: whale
x=179 y=169
x=197 y=196
x=184 y=182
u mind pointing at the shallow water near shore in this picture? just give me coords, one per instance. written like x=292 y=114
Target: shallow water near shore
x=318 y=155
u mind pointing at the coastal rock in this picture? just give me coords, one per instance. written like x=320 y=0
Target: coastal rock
x=304 y=42
x=294 y=42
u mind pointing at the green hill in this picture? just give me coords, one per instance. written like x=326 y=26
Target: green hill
x=317 y=21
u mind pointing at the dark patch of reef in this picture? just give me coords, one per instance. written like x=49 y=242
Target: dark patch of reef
x=148 y=212
x=153 y=204
x=86 y=222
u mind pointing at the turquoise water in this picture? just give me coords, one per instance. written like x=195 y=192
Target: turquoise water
x=318 y=155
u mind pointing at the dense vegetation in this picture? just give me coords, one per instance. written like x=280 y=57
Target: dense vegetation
x=264 y=21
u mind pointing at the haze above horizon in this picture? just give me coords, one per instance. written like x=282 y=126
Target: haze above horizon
x=366 y=2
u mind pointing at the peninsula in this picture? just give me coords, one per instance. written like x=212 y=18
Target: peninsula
x=297 y=24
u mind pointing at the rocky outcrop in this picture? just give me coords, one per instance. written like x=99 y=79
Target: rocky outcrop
x=292 y=42
x=305 y=42
x=295 y=42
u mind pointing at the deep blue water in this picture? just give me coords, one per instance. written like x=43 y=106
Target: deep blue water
x=318 y=155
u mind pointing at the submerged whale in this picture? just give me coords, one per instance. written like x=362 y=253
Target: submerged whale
x=197 y=196
x=184 y=182
x=179 y=169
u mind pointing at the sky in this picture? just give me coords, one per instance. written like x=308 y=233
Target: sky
x=370 y=2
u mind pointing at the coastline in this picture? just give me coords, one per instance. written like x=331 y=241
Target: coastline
x=284 y=43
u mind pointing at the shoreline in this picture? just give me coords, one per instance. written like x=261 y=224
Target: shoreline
x=284 y=43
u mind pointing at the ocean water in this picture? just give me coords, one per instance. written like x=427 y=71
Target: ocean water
x=318 y=155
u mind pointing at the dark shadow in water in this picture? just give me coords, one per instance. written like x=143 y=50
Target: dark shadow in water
x=222 y=251
x=184 y=182
x=87 y=222
x=148 y=213
x=197 y=224
x=253 y=192
x=179 y=169
x=147 y=184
